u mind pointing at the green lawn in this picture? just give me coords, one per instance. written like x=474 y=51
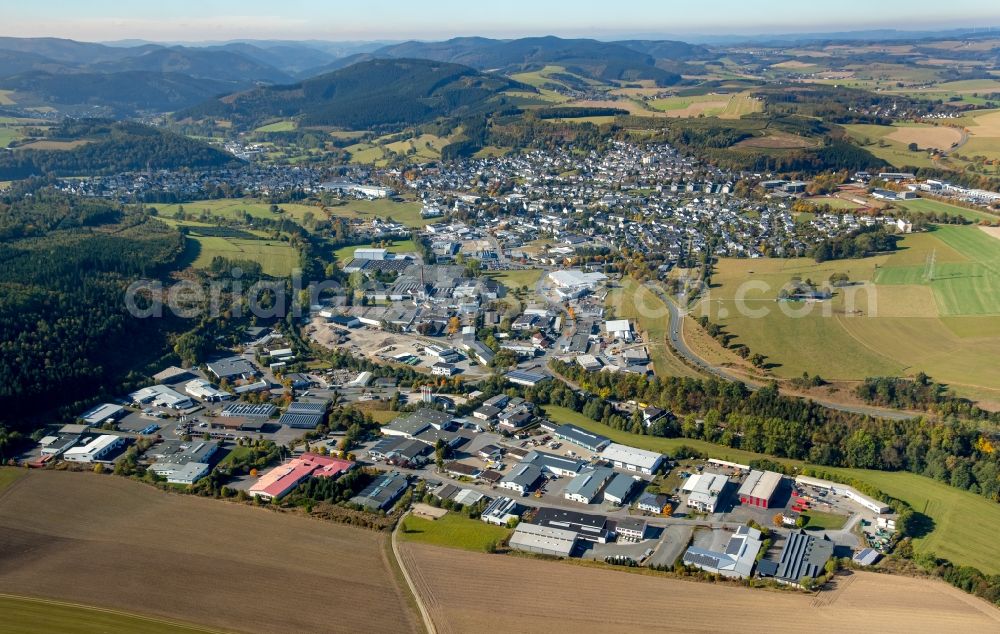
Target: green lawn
x=455 y=531
x=40 y=616
x=964 y=523
x=818 y=520
x=346 y=254
x=8 y=475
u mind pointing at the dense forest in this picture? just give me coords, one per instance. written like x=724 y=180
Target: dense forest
x=952 y=451
x=369 y=95
x=108 y=148
x=65 y=332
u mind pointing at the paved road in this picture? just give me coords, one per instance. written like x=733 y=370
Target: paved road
x=677 y=343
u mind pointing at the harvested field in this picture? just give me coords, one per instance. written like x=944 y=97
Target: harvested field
x=938 y=137
x=778 y=141
x=573 y=598
x=991 y=231
x=110 y=542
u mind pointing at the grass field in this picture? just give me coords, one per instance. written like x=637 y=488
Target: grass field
x=406 y=212
x=346 y=254
x=818 y=520
x=878 y=139
x=276 y=258
x=40 y=616
x=928 y=205
x=724 y=106
x=964 y=523
x=907 y=322
x=568 y=596
x=9 y=475
x=277 y=126
x=634 y=301
x=5 y=98
x=515 y=279
x=454 y=531
x=239 y=208
x=114 y=543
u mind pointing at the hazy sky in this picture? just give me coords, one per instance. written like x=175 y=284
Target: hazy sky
x=433 y=19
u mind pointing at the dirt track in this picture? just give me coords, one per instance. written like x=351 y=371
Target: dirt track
x=109 y=542
x=543 y=596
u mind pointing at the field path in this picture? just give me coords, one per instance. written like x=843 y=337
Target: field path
x=424 y=614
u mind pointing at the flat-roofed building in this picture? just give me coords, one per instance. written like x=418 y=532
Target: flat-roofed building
x=277 y=482
x=96 y=449
x=543 y=540
x=102 y=414
x=704 y=489
x=632 y=459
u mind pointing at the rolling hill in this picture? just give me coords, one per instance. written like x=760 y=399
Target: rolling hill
x=374 y=93
x=121 y=94
x=606 y=61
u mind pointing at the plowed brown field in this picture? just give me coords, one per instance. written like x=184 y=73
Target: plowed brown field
x=464 y=592
x=110 y=542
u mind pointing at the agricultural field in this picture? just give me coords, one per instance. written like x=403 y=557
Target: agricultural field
x=276 y=258
x=880 y=141
x=452 y=585
x=929 y=205
x=239 y=208
x=277 y=126
x=9 y=475
x=931 y=306
x=42 y=616
x=6 y=98
x=139 y=541
x=724 y=106
x=406 y=212
x=638 y=303
x=454 y=530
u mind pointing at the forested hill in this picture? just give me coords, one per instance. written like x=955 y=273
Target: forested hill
x=374 y=93
x=97 y=146
x=65 y=332
x=591 y=58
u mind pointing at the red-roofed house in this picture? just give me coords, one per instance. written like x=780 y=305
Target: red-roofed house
x=277 y=482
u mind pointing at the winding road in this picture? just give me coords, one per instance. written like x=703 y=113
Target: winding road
x=677 y=343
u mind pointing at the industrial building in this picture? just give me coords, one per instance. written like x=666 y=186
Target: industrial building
x=556 y=465
x=632 y=459
x=502 y=511
x=802 y=557
x=161 y=396
x=302 y=415
x=96 y=449
x=232 y=368
x=248 y=410
x=704 y=490
x=759 y=488
x=736 y=561
x=579 y=436
x=277 y=482
x=381 y=494
x=102 y=414
x=523 y=478
x=850 y=493
x=543 y=540
x=631 y=529
x=619 y=488
x=592 y=528
x=585 y=487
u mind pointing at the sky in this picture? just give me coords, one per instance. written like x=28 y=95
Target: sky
x=199 y=20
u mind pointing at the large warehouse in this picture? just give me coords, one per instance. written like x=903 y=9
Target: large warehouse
x=759 y=488
x=632 y=459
